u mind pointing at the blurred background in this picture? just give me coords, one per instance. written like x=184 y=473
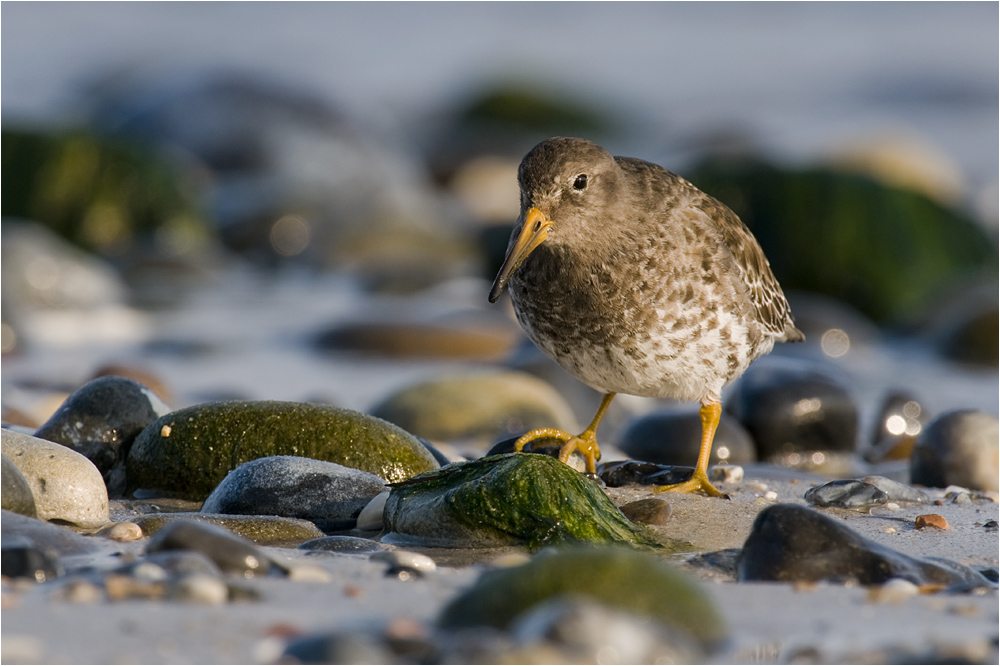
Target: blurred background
x=309 y=201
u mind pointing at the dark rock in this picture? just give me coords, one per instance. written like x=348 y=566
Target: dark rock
x=959 y=448
x=633 y=472
x=16 y=493
x=673 y=437
x=325 y=493
x=649 y=511
x=791 y=543
x=264 y=530
x=48 y=536
x=337 y=648
x=23 y=559
x=619 y=578
x=511 y=499
x=846 y=494
x=481 y=407
x=441 y=458
x=190 y=451
x=101 y=420
x=343 y=544
x=172 y=563
x=789 y=407
x=545 y=446
x=808 y=222
x=229 y=552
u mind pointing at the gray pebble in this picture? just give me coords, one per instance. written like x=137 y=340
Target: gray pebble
x=961 y=448
x=846 y=494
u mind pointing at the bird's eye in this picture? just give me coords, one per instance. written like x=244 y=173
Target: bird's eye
x=581 y=182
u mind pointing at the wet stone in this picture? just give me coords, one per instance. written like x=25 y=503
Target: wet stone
x=231 y=553
x=343 y=544
x=961 y=448
x=328 y=494
x=898 y=492
x=792 y=543
x=649 y=511
x=790 y=407
x=15 y=491
x=49 y=536
x=21 y=558
x=371 y=517
x=164 y=564
x=405 y=559
x=511 y=499
x=65 y=485
x=477 y=408
x=673 y=437
x=624 y=579
x=189 y=452
x=264 y=530
x=846 y=494
x=633 y=472
x=101 y=420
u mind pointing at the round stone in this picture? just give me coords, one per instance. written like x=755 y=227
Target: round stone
x=958 y=448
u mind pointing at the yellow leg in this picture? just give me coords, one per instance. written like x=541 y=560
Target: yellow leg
x=585 y=442
x=710 y=413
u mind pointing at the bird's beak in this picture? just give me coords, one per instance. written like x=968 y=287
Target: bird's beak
x=534 y=231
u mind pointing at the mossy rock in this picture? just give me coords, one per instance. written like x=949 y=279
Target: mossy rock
x=885 y=250
x=621 y=578
x=511 y=499
x=188 y=452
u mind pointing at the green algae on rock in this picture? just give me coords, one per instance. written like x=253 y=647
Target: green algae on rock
x=622 y=578
x=188 y=452
x=262 y=530
x=503 y=500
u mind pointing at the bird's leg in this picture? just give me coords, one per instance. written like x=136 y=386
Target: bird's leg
x=710 y=413
x=585 y=442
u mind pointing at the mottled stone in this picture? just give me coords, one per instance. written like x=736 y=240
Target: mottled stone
x=649 y=511
x=960 y=448
x=846 y=494
x=231 y=553
x=620 y=578
x=65 y=485
x=673 y=437
x=328 y=494
x=101 y=420
x=482 y=408
x=264 y=530
x=16 y=492
x=189 y=452
x=790 y=543
x=791 y=407
x=512 y=499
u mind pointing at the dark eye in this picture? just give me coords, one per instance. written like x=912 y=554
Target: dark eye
x=581 y=182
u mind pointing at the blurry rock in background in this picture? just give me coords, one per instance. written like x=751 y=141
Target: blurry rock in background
x=884 y=250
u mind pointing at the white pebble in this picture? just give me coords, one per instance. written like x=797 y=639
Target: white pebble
x=890 y=530
x=771 y=495
x=370 y=517
x=147 y=571
x=757 y=485
x=892 y=506
x=200 y=588
x=726 y=474
x=893 y=591
x=405 y=558
x=309 y=574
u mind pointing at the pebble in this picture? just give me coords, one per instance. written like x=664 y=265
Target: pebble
x=101 y=420
x=189 y=452
x=81 y=592
x=343 y=544
x=846 y=494
x=961 y=447
x=898 y=492
x=51 y=537
x=263 y=530
x=405 y=559
x=123 y=531
x=199 y=588
x=303 y=573
x=789 y=543
x=16 y=493
x=370 y=517
x=231 y=553
x=21 y=558
x=729 y=474
x=328 y=494
x=649 y=511
x=771 y=495
x=628 y=472
x=791 y=407
x=931 y=520
x=65 y=485
x=479 y=409
x=893 y=591
x=673 y=437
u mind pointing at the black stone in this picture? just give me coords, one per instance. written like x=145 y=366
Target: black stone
x=790 y=543
x=101 y=420
x=792 y=408
x=634 y=472
x=21 y=558
x=673 y=437
x=229 y=552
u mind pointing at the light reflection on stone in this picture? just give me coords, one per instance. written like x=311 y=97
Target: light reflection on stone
x=290 y=235
x=835 y=342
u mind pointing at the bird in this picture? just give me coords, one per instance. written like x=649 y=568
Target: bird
x=637 y=282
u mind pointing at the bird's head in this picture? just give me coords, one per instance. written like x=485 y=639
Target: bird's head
x=566 y=185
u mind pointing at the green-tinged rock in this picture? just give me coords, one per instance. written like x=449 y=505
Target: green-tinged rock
x=516 y=498
x=263 y=530
x=885 y=250
x=623 y=578
x=488 y=407
x=188 y=452
x=16 y=493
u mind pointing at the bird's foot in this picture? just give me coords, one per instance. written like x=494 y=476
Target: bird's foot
x=587 y=446
x=697 y=483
